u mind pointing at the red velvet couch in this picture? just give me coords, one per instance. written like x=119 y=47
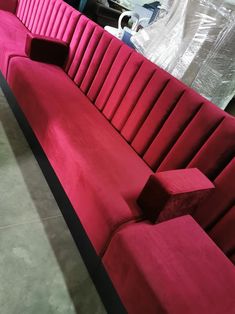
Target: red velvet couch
x=109 y=121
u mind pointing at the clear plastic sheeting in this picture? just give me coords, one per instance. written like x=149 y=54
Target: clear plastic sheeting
x=195 y=41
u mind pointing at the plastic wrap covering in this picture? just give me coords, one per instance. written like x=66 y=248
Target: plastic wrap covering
x=195 y=42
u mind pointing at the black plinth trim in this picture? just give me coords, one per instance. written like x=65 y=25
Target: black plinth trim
x=103 y=284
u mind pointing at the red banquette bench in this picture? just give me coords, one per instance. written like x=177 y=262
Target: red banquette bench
x=146 y=162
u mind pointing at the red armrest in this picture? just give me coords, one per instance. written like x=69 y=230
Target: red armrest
x=172 y=267
x=46 y=49
x=8 y=5
x=174 y=193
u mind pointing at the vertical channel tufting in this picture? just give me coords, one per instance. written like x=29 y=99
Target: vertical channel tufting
x=25 y=11
x=52 y=18
x=217 y=151
x=110 y=54
x=173 y=127
x=150 y=116
x=20 y=9
x=66 y=33
x=87 y=56
x=144 y=104
x=85 y=37
x=122 y=85
x=56 y=24
x=221 y=201
x=30 y=9
x=92 y=71
x=34 y=14
x=46 y=17
x=112 y=77
x=37 y=18
x=61 y=21
x=134 y=92
x=80 y=27
x=42 y=15
x=223 y=233
x=206 y=121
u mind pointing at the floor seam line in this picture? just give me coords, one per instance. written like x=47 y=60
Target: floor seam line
x=29 y=222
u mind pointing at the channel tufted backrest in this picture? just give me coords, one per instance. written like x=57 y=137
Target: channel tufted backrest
x=53 y=18
x=168 y=124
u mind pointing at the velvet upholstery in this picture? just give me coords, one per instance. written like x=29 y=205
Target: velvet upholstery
x=13 y=36
x=51 y=18
x=107 y=121
x=223 y=232
x=157 y=271
x=8 y=5
x=169 y=126
x=174 y=193
x=99 y=163
x=46 y=49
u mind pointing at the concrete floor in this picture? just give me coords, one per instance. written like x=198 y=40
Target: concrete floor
x=41 y=271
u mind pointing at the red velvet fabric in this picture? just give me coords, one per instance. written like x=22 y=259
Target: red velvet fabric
x=8 y=5
x=212 y=210
x=46 y=49
x=223 y=232
x=172 y=267
x=103 y=176
x=12 y=35
x=174 y=193
x=52 y=18
x=161 y=124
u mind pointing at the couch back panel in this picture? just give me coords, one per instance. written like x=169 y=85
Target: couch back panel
x=53 y=18
x=79 y=43
x=108 y=60
x=217 y=151
x=34 y=14
x=22 y=9
x=137 y=86
x=120 y=87
x=94 y=55
x=85 y=63
x=92 y=74
x=194 y=136
x=106 y=88
x=217 y=214
x=50 y=18
x=40 y=17
x=223 y=232
x=222 y=199
x=146 y=119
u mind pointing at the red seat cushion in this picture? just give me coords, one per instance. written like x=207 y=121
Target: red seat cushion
x=99 y=171
x=13 y=36
x=172 y=267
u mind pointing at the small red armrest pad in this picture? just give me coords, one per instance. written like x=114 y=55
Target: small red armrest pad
x=8 y=5
x=46 y=49
x=174 y=193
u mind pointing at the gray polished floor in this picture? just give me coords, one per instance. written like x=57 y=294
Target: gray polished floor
x=41 y=271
